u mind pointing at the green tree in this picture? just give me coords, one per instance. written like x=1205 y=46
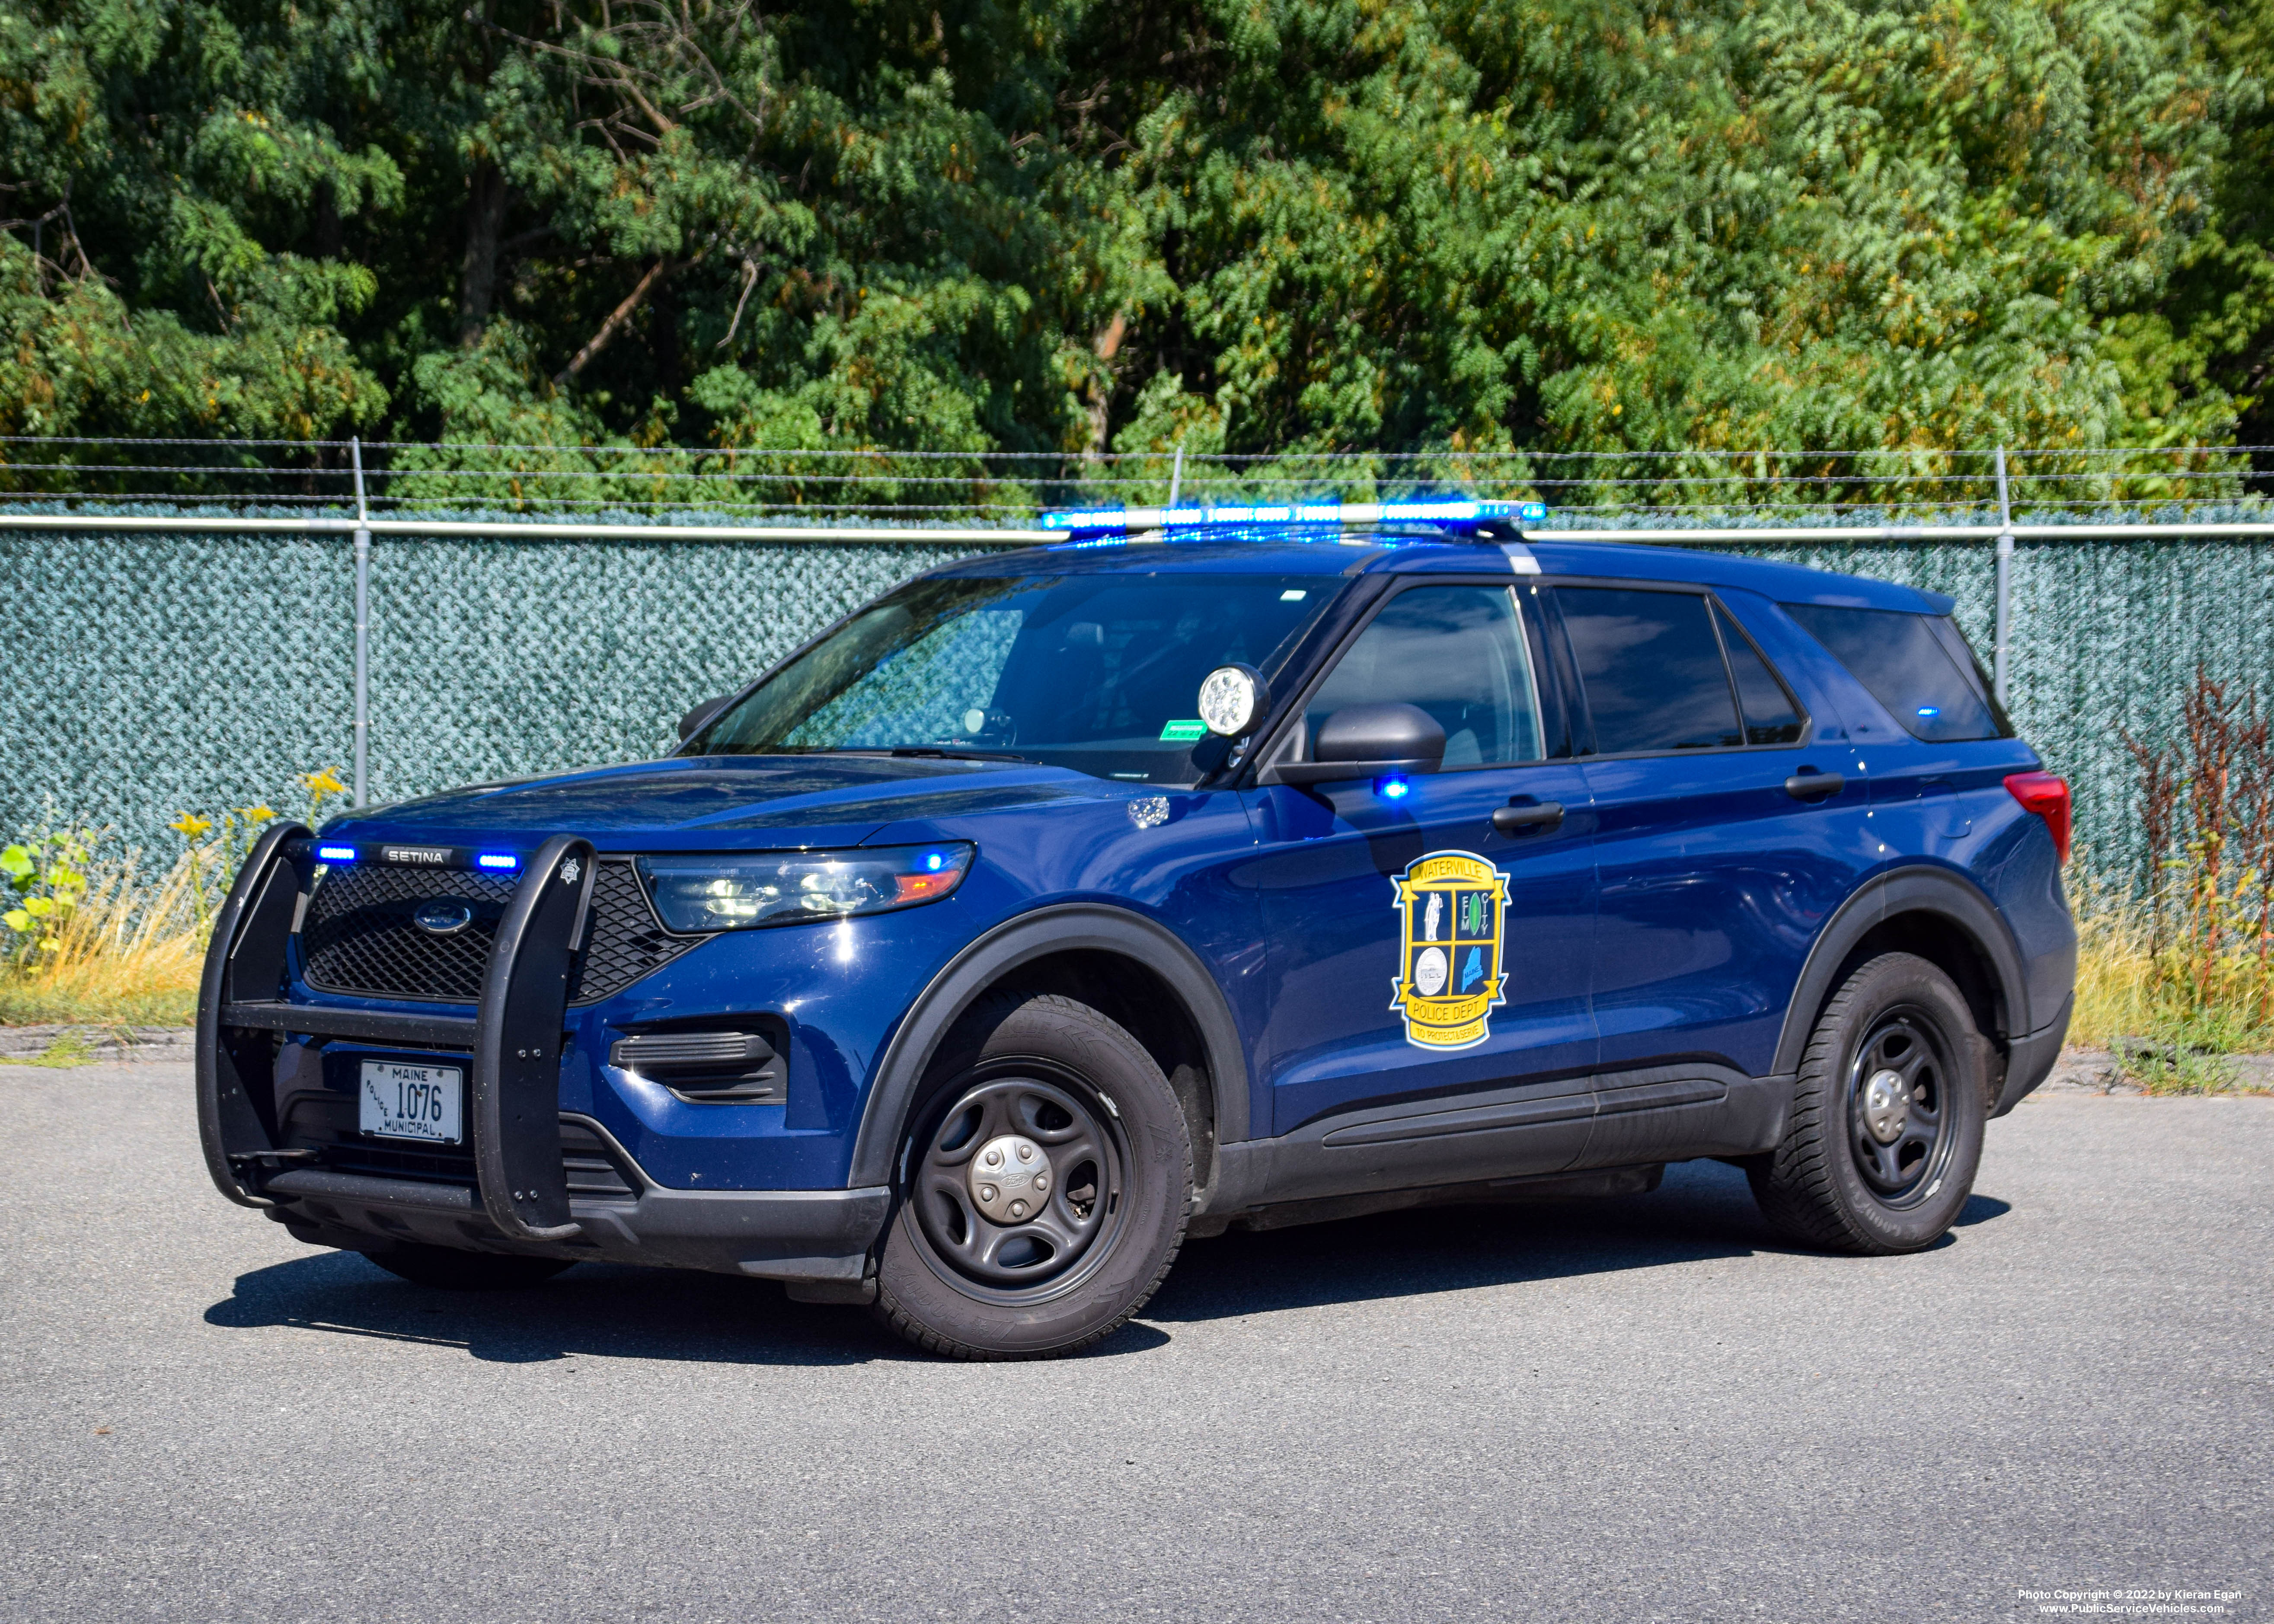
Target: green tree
x=1056 y=227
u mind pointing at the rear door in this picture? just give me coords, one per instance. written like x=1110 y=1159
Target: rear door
x=1419 y=959
x=1714 y=874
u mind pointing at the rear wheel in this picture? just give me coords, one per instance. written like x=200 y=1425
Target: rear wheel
x=1043 y=1185
x=452 y=1270
x=1885 y=1134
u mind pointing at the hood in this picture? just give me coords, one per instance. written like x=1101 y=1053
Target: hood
x=715 y=801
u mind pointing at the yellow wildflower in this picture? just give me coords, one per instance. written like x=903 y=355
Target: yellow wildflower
x=324 y=781
x=192 y=826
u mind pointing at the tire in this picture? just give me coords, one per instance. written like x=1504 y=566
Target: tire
x=448 y=1269
x=975 y=1269
x=1870 y=1166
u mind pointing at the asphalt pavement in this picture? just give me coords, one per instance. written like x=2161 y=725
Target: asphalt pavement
x=1638 y=1409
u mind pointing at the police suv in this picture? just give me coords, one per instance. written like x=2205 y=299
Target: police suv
x=1215 y=867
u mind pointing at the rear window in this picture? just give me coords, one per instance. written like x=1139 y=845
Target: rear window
x=1918 y=665
x=1652 y=669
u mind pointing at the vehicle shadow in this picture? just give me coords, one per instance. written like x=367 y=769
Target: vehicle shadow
x=1703 y=1211
x=608 y=1310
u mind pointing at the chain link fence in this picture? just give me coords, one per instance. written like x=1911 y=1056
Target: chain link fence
x=151 y=674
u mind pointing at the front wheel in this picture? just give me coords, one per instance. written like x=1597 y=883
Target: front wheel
x=1885 y=1134
x=1043 y=1185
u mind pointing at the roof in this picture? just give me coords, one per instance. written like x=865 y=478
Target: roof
x=1358 y=553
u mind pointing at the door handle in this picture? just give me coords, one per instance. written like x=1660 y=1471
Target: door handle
x=1518 y=820
x=1812 y=785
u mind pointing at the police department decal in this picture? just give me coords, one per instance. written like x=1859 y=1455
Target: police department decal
x=1454 y=907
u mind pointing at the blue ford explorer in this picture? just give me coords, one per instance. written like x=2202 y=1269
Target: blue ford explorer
x=1060 y=906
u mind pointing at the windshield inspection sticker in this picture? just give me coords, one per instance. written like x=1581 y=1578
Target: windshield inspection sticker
x=1184 y=733
x=1453 y=907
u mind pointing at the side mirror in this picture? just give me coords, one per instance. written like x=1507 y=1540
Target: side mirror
x=699 y=718
x=1366 y=741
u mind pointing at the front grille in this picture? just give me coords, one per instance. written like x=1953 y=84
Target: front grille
x=358 y=937
x=623 y=940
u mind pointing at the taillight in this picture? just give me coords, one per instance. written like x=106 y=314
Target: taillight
x=2046 y=794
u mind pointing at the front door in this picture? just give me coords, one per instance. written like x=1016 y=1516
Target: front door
x=1420 y=960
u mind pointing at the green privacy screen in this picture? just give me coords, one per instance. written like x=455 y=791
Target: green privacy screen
x=146 y=675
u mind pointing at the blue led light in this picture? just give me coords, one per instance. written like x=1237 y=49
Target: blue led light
x=497 y=860
x=336 y=854
x=1393 y=789
x=1929 y=711
x=1419 y=510
x=932 y=861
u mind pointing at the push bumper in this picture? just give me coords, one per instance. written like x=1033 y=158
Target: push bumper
x=519 y=1200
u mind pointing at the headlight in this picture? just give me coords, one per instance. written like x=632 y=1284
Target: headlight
x=737 y=892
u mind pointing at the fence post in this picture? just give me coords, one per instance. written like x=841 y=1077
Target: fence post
x=2004 y=582
x=362 y=631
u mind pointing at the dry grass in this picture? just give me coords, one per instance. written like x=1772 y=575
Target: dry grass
x=2153 y=1015
x=2118 y=992
x=129 y=956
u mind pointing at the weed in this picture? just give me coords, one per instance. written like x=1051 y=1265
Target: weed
x=71 y=1049
x=2183 y=976
x=112 y=947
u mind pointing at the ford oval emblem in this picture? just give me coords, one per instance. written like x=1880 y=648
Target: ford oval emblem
x=443 y=917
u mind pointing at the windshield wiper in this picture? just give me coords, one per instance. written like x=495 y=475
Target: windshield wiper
x=927 y=751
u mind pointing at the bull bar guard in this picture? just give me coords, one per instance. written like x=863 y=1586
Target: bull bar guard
x=514 y=1042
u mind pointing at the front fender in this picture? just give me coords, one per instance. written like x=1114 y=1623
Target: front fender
x=1063 y=927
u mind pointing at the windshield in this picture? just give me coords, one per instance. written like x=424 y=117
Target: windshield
x=1099 y=673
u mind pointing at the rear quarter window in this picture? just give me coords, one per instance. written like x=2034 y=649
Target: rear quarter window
x=1906 y=662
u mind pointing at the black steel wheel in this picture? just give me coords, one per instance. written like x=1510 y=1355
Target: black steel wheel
x=1043 y=1185
x=1879 y=1152
x=1898 y=1106
x=1019 y=1182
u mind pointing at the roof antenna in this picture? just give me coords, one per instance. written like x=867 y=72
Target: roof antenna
x=1177 y=473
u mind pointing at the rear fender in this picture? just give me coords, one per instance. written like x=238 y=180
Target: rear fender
x=1937 y=892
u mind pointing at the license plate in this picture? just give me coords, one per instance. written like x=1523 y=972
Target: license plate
x=413 y=1102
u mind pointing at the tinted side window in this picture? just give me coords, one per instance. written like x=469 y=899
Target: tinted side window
x=1653 y=669
x=1460 y=652
x=1771 y=716
x=1900 y=659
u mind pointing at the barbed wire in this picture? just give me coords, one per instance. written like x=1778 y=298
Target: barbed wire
x=613 y=448
x=419 y=478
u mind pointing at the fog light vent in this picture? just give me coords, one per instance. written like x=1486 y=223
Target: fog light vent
x=712 y=1067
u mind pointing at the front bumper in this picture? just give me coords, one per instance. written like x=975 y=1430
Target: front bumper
x=790 y=1235
x=518 y=1198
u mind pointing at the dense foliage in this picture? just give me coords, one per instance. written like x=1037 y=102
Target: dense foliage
x=1061 y=225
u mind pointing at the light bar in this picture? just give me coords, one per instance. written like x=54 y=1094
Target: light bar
x=1437 y=510
x=497 y=860
x=336 y=854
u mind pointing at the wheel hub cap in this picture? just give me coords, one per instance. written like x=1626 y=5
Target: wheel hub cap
x=1010 y=1178
x=1887 y=1106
